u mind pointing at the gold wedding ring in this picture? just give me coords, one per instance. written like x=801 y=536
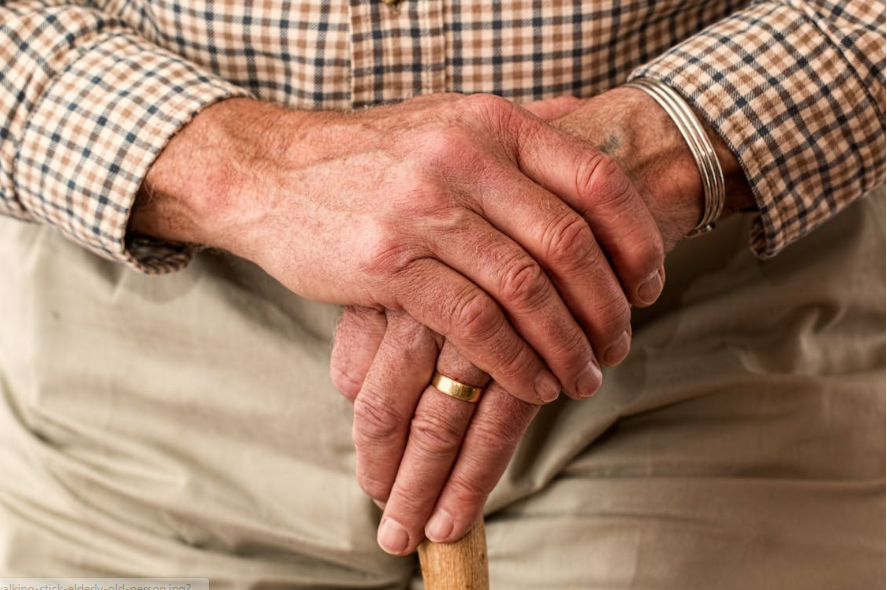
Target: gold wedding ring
x=453 y=388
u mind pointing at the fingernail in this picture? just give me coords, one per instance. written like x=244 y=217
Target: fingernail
x=590 y=380
x=618 y=350
x=547 y=387
x=650 y=289
x=440 y=527
x=393 y=538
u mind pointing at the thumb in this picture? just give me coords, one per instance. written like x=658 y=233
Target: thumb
x=551 y=109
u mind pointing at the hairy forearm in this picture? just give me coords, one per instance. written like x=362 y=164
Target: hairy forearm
x=189 y=194
x=196 y=189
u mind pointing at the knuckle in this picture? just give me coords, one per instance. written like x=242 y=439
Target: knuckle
x=571 y=351
x=601 y=180
x=640 y=250
x=407 y=334
x=435 y=437
x=644 y=258
x=510 y=361
x=419 y=196
x=409 y=503
x=498 y=434
x=524 y=281
x=500 y=115
x=477 y=321
x=445 y=149
x=358 y=319
x=614 y=316
x=387 y=253
x=376 y=423
x=569 y=241
x=470 y=491
x=487 y=104
x=381 y=253
x=372 y=485
x=476 y=316
x=453 y=222
x=442 y=143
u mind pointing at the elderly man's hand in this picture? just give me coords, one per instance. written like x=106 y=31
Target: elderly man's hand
x=457 y=210
x=432 y=459
x=408 y=435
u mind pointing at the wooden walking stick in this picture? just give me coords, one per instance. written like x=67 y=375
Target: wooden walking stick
x=456 y=566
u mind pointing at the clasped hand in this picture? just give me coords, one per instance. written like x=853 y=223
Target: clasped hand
x=461 y=227
x=577 y=229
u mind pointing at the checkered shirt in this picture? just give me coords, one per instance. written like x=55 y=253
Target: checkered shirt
x=91 y=90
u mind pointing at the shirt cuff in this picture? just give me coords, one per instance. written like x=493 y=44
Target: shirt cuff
x=798 y=99
x=94 y=132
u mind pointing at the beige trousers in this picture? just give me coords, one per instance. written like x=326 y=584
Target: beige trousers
x=185 y=425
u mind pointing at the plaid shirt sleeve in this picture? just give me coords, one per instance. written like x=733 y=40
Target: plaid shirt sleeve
x=87 y=106
x=797 y=90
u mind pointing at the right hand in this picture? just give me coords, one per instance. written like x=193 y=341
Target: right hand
x=456 y=210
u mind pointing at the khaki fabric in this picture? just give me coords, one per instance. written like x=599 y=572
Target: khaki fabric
x=741 y=443
x=185 y=425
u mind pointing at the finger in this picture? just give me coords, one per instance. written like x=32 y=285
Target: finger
x=594 y=185
x=384 y=407
x=550 y=231
x=467 y=316
x=435 y=437
x=497 y=427
x=534 y=306
x=590 y=182
x=551 y=109
x=563 y=243
x=358 y=336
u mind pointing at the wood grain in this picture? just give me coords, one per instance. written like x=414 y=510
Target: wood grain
x=456 y=566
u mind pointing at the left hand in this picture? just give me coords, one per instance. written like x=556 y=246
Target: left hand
x=432 y=459
x=408 y=435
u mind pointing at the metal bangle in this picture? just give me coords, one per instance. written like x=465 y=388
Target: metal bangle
x=703 y=151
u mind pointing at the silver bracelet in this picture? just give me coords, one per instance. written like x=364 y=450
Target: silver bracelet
x=703 y=151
